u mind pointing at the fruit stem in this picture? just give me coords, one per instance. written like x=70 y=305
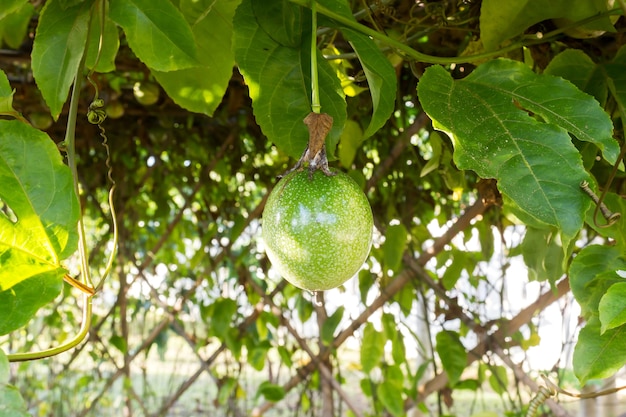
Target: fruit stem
x=316 y=107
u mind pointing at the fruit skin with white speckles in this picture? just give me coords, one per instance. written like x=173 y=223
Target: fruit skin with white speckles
x=317 y=232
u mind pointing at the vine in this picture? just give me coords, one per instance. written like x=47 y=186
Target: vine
x=95 y=115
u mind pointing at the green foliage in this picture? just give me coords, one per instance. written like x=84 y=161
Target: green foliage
x=193 y=169
x=266 y=61
x=58 y=49
x=520 y=15
x=201 y=87
x=533 y=158
x=596 y=284
x=157 y=32
x=11 y=402
x=452 y=354
x=38 y=228
x=372 y=348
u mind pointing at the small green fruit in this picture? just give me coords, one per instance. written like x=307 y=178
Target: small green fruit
x=317 y=232
x=146 y=93
x=114 y=109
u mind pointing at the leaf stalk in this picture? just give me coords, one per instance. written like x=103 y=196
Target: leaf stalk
x=316 y=106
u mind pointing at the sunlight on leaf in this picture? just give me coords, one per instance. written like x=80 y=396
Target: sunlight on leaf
x=157 y=33
x=279 y=82
x=38 y=189
x=201 y=88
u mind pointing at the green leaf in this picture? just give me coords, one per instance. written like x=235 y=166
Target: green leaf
x=38 y=226
x=351 y=139
x=534 y=161
x=14 y=26
x=119 y=342
x=599 y=355
x=499 y=379
x=201 y=88
x=381 y=78
x=157 y=33
x=226 y=388
x=11 y=402
x=617 y=232
x=58 y=49
x=452 y=353
x=520 y=15
x=616 y=77
x=380 y=74
x=4 y=368
x=281 y=20
x=271 y=392
x=20 y=302
x=543 y=254
x=398 y=349
x=393 y=248
x=460 y=261
x=574 y=65
x=257 y=356
x=10 y=6
x=6 y=95
x=330 y=325
x=588 y=275
x=280 y=110
x=224 y=310
x=110 y=44
x=391 y=398
x=372 y=348
x=436 y=143
x=612 y=307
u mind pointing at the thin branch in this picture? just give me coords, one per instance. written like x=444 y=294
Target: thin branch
x=528 y=381
x=324 y=371
x=506 y=329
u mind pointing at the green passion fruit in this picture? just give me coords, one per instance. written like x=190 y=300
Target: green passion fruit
x=317 y=229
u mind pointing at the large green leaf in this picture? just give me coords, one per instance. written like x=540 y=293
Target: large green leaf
x=157 y=33
x=38 y=222
x=531 y=155
x=58 y=49
x=520 y=15
x=452 y=353
x=599 y=355
x=201 y=88
x=576 y=66
x=280 y=109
